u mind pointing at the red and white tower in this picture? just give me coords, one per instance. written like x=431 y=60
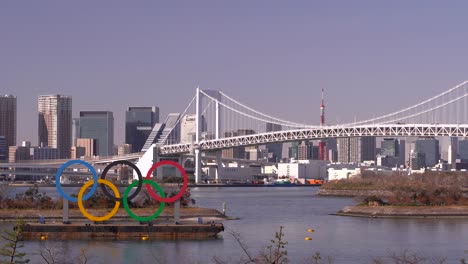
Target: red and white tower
x=322 y=143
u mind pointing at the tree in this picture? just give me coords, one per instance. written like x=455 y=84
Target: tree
x=10 y=250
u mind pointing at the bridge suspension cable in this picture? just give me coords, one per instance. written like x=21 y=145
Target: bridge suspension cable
x=424 y=106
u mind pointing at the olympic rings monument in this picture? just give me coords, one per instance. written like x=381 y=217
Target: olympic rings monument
x=98 y=228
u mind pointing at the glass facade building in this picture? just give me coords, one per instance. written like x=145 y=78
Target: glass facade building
x=139 y=121
x=8 y=119
x=98 y=125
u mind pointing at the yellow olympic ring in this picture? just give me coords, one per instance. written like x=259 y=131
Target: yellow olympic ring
x=98 y=218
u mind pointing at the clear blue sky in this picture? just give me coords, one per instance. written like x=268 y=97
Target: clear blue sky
x=371 y=56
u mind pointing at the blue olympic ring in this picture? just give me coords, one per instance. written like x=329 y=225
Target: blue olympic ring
x=62 y=168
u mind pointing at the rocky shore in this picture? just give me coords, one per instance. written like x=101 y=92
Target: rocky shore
x=353 y=193
x=405 y=211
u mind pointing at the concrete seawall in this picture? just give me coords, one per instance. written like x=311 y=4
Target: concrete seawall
x=60 y=231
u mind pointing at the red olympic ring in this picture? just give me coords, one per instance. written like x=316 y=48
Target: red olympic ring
x=182 y=191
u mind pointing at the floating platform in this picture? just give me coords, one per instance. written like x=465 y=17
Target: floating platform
x=131 y=231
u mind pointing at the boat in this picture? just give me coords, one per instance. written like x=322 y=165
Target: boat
x=280 y=183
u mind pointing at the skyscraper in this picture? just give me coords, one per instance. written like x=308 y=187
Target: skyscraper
x=389 y=147
x=3 y=149
x=8 y=119
x=275 y=148
x=139 y=121
x=430 y=148
x=100 y=126
x=75 y=130
x=463 y=149
x=187 y=128
x=55 y=121
x=356 y=149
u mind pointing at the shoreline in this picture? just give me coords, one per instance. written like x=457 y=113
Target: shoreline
x=353 y=192
x=388 y=211
x=188 y=214
x=392 y=211
x=190 y=185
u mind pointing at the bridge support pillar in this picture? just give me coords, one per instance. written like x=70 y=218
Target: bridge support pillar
x=219 y=166
x=198 y=166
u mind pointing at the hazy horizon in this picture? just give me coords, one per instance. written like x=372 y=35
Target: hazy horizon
x=370 y=57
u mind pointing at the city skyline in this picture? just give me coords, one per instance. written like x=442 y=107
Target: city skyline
x=112 y=56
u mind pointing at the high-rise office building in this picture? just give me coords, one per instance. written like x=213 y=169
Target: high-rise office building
x=276 y=149
x=55 y=121
x=46 y=153
x=237 y=152
x=394 y=150
x=3 y=149
x=463 y=149
x=402 y=152
x=390 y=147
x=77 y=152
x=75 y=130
x=188 y=127
x=356 y=149
x=452 y=151
x=307 y=151
x=293 y=151
x=8 y=119
x=417 y=160
x=17 y=153
x=430 y=147
x=139 y=121
x=89 y=144
x=99 y=125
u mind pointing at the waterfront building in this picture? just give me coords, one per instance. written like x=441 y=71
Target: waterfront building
x=430 y=148
x=307 y=169
x=55 y=121
x=89 y=144
x=231 y=173
x=139 y=122
x=100 y=126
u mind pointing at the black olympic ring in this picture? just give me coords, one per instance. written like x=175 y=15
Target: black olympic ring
x=140 y=180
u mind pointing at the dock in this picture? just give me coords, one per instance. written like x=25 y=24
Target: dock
x=123 y=231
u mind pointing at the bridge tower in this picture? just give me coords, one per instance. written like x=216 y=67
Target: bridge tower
x=198 y=127
x=216 y=96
